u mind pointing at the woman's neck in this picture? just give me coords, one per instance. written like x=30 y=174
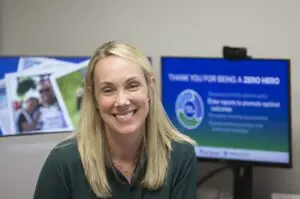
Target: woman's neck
x=124 y=148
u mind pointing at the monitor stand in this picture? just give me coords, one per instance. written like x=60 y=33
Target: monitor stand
x=242 y=182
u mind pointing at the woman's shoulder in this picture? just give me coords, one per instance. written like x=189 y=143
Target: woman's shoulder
x=183 y=149
x=66 y=144
x=65 y=151
x=182 y=153
x=183 y=163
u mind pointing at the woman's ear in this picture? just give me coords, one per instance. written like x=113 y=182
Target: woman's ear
x=152 y=84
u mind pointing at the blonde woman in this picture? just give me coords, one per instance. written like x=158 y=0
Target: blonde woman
x=125 y=147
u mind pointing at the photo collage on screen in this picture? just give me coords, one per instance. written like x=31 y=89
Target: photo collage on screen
x=40 y=94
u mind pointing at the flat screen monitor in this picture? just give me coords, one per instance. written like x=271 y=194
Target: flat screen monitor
x=236 y=110
x=40 y=94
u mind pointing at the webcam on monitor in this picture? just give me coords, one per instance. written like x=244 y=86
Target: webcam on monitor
x=235 y=53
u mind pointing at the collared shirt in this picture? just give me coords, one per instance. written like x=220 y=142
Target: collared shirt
x=62 y=177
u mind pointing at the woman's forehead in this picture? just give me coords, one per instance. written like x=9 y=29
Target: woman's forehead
x=115 y=69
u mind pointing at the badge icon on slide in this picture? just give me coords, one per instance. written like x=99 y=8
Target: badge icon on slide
x=189 y=108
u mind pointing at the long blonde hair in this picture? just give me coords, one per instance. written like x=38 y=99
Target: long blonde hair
x=90 y=136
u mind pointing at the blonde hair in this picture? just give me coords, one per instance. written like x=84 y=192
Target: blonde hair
x=90 y=136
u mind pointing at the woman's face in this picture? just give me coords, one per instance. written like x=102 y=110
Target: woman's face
x=121 y=92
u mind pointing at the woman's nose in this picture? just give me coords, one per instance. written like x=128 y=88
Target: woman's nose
x=122 y=99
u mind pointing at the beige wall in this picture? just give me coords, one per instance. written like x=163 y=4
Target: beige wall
x=269 y=28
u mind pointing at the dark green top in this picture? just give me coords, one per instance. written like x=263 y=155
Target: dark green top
x=62 y=177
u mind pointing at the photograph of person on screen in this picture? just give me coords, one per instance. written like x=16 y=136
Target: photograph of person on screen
x=51 y=113
x=29 y=115
x=35 y=106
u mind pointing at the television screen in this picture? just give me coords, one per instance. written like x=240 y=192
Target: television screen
x=40 y=94
x=235 y=110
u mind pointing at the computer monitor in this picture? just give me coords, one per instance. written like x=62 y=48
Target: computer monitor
x=40 y=94
x=238 y=111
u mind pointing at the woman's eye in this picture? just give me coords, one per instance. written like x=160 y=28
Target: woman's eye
x=133 y=86
x=106 y=90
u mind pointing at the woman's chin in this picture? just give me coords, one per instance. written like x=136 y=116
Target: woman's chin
x=126 y=131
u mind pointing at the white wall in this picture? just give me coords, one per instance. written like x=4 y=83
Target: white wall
x=269 y=28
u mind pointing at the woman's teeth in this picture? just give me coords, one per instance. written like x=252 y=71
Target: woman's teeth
x=124 y=115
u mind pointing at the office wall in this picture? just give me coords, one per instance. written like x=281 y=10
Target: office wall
x=269 y=28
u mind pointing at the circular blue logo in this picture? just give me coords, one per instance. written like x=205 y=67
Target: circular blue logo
x=189 y=109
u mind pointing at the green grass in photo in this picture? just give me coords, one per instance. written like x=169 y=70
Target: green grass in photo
x=68 y=86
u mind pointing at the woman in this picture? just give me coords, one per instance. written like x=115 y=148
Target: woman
x=125 y=146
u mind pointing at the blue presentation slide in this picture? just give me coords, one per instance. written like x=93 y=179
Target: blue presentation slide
x=233 y=109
